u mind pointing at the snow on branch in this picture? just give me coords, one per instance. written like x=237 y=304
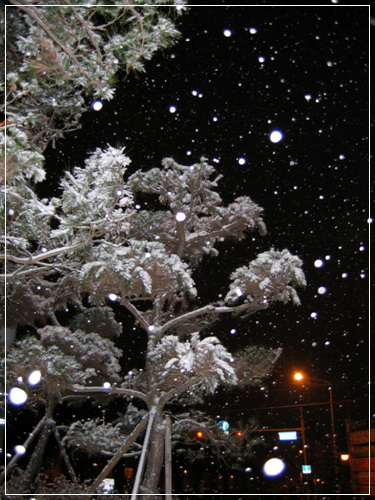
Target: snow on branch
x=140 y=270
x=272 y=276
x=110 y=390
x=189 y=191
x=202 y=363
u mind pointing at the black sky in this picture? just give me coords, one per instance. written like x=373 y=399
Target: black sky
x=313 y=184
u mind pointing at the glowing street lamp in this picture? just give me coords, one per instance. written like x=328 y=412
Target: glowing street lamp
x=298 y=376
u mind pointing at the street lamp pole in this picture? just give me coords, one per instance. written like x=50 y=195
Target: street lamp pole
x=303 y=437
x=334 y=447
x=298 y=376
x=304 y=449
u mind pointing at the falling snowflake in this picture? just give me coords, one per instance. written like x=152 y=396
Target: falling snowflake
x=276 y=136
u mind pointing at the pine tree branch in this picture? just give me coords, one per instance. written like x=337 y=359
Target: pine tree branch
x=177 y=391
x=140 y=22
x=34 y=259
x=33 y=13
x=113 y=390
x=208 y=309
x=137 y=314
x=15 y=275
x=86 y=28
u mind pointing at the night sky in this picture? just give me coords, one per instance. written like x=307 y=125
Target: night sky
x=301 y=70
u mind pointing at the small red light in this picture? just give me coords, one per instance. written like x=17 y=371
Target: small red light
x=239 y=434
x=199 y=434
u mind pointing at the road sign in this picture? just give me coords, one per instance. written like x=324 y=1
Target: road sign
x=288 y=436
x=306 y=469
x=223 y=424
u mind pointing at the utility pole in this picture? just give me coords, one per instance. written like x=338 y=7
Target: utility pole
x=303 y=438
x=304 y=451
x=334 y=447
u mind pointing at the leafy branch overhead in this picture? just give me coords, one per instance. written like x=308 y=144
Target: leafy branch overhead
x=68 y=53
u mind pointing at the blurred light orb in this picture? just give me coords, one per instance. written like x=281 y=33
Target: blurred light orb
x=273 y=467
x=180 y=216
x=276 y=136
x=112 y=296
x=172 y=109
x=34 y=377
x=319 y=263
x=19 y=449
x=241 y=161
x=227 y=33
x=322 y=290
x=17 y=396
x=97 y=105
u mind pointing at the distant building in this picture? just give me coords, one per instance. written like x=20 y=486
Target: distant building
x=361 y=447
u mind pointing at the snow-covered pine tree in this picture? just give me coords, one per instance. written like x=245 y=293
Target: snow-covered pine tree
x=93 y=245
x=111 y=249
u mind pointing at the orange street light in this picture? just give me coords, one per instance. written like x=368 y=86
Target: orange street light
x=298 y=376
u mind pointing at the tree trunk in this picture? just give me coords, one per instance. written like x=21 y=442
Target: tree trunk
x=168 y=458
x=118 y=455
x=36 y=460
x=154 y=460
